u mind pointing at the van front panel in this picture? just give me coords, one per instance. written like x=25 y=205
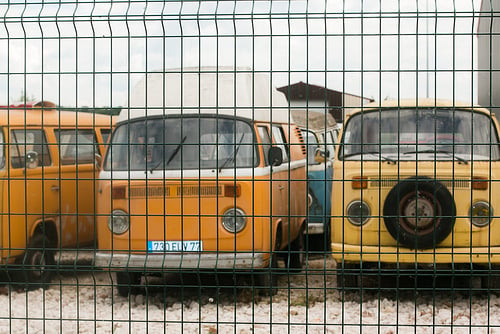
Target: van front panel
x=190 y=212
x=417 y=185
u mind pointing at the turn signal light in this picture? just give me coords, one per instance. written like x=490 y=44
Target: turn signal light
x=359 y=183
x=231 y=190
x=479 y=183
x=119 y=192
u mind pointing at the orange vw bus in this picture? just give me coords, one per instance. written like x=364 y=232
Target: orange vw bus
x=210 y=175
x=47 y=179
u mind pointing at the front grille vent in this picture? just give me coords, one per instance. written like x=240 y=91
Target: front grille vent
x=176 y=190
x=389 y=182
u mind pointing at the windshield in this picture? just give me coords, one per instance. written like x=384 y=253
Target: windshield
x=182 y=143
x=406 y=132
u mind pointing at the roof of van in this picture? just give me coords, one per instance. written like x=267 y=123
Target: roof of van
x=46 y=113
x=238 y=92
x=313 y=120
x=412 y=103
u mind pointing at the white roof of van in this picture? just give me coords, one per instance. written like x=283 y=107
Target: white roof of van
x=423 y=102
x=230 y=91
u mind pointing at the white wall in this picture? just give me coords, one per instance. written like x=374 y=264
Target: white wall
x=317 y=105
x=489 y=55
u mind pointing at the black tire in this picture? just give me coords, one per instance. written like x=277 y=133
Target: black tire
x=419 y=213
x=266 y=280
x=490 y=279
x=36 y=267
x=319 y=243
x=128 y=283
x=296 y=257
x=348 y=275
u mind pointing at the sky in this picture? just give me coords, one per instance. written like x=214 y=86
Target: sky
x=93 y=54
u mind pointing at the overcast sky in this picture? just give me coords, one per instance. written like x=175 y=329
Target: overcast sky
x=93 y=54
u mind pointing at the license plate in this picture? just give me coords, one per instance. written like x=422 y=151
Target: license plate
x=174 y=246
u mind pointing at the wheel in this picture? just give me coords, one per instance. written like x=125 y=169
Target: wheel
x=419 y=213
x=327 y=237
x=37 y=264
x=266 y=280
x=491 y=279
x=296 y=257
x=347 y=275
x=127 y=283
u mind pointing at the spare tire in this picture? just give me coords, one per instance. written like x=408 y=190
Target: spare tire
x=419 y=213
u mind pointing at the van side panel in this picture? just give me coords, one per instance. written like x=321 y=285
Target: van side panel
x=29 y=198
x=77 y=189
x=320 y=184
x=297 y=179
x=34 y=195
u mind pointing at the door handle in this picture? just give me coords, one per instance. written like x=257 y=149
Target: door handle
x=54 y=188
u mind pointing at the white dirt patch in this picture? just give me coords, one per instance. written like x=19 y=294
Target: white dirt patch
x=87 y=303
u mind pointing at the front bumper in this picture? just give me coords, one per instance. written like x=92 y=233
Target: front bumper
x=387 y=254
x=175 y=261
x=315 y=228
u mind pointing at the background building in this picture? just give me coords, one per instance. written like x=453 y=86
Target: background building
x=302 y=94
x=488 y=54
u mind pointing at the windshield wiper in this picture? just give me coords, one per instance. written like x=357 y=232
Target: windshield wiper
x=171 y=157
x=450 y=154
x=389 y=160
x=232 y=157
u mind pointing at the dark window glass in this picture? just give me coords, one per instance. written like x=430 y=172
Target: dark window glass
x=182 y=143
x=25 y=141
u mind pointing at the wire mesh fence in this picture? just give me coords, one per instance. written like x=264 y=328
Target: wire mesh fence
x=249 y=166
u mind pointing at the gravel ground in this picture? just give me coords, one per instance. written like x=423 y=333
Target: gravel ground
x=207 y=303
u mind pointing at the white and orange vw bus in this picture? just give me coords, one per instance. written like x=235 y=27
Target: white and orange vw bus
x=48 y=170
x=204 y=171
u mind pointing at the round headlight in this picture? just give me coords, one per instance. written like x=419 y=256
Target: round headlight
x=118 y=222
x=234 y=220
x=358 y=213
x=480 y=214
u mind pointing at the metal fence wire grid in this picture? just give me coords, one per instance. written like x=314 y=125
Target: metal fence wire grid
x=249 y=166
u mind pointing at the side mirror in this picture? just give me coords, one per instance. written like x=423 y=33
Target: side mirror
x=31 y=160
x=321 y=156
x=275 y=156
x=97 y=161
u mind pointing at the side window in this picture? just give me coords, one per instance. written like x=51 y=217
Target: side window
x=266 y=142
x=330 y=144
x=26 y=140
x=76 y=146
x=279 y=139
x=323 y=142
x=336 y=136
x=105 y=133
x=312 y=145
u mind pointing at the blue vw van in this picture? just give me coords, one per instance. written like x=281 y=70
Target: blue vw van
x=320 y=132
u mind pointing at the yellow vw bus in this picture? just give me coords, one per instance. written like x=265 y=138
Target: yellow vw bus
x=204 y=171
x=419 y=185
x=47 y=180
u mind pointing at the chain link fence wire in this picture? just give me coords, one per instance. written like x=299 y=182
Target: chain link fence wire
x=249 y=166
